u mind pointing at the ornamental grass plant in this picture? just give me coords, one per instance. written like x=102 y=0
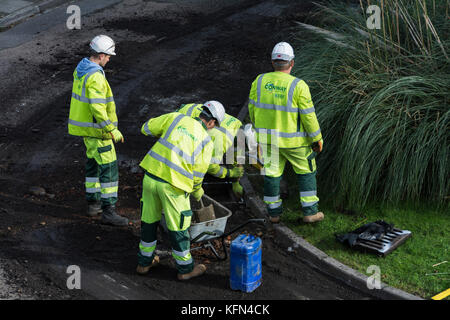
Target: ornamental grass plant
x=382 y=99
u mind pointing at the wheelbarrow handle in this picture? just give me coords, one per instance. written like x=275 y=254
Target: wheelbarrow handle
x=204 y=233
x=242 y=225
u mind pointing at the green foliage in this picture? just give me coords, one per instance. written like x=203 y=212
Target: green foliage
x=381 y=97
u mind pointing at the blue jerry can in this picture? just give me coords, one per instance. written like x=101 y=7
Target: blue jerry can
x=245 y=263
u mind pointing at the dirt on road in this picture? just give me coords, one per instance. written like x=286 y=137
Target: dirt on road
x=168 y=53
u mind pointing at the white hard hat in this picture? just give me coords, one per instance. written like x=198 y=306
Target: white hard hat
x=217 y=110
x=283 y=51
x=103 y=44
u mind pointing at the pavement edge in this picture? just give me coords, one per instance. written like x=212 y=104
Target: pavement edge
x=316 y=257
x=27 y=12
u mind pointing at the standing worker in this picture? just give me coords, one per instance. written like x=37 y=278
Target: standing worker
x=223 y=138
x=174 y=169
x=93 y=117
x=285 y=121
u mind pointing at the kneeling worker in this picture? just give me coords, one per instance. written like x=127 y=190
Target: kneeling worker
x=175 y=167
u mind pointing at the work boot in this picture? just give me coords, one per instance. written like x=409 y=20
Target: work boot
x=94 y=208
x=199 y=269
x=275 y=219
x=110 y=216
x=144 y=270
x=316 y=217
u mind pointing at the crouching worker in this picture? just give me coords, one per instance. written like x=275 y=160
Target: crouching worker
x=174 y=170
x=223 y=138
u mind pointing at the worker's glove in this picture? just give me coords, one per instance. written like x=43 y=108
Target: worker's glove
x=236 y=172
x=237 y=189
x=318 y=146
x=116 y=135
x=197 y=194
x=106 y=135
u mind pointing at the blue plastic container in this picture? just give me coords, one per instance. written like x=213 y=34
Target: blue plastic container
x=245 y=263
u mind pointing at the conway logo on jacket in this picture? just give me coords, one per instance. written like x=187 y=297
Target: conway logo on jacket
x=270 y=87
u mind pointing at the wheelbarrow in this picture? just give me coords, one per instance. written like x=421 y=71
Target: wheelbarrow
x=205 y=232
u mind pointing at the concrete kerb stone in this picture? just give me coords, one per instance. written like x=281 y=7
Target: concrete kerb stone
x=18 y=16
x=317 y=258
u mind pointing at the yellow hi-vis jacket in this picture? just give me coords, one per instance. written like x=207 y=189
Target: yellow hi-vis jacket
x=282 y=112
x=223 y=137
x=92 y=107
x=183 y=152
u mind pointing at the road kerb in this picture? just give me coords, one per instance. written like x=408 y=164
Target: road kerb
x=27 y=12
x=18 y=16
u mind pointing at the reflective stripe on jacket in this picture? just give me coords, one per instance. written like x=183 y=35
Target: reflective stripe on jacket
x=192 y=110
x=183 y=152
x=282 y=112
x=92 y=107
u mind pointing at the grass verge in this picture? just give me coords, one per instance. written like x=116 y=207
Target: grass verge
x=409 y=267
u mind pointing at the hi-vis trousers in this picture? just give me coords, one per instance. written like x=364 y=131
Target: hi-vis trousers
x=158 y=196
x=304 y=166
x=102 y=173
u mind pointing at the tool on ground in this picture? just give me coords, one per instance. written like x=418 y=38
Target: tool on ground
x=377 y=237
x=245 y=263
